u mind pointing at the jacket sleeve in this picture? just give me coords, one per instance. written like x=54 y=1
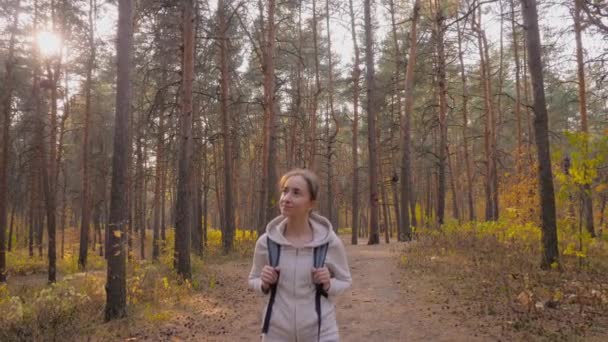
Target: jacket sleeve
x=337 y=263
x=260 y=259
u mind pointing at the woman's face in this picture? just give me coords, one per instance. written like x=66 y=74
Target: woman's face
x=295 y=197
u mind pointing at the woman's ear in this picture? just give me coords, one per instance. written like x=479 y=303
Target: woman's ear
x=313 y=204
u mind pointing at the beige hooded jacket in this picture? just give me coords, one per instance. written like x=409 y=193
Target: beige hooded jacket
x=293 y=314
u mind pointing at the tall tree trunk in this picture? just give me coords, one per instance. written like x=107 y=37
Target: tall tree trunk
x=465 y=123
x=116 y=286
x=355 y=143
x=518 y=157
x=160 y=164
x=374 y=238
x=205 y=187
x=489 y=128
x=64 y=202
x=333 y=215
x=312 y=139
x=33 y=195
x=10 y=230
x=550 y=252
x=183 y=219
x=453 y=185
x=405 y=230
x=396 y=95
x=586 y=191
x=7 y=99
x=442 y=85
x=268 y=181
x=228 y=232
x=84 y=223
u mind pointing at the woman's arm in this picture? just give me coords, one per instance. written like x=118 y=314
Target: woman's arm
x=337 y=263
x=260 y=259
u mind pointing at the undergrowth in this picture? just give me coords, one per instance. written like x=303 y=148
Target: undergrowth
x=493 y=267
x=72 y=308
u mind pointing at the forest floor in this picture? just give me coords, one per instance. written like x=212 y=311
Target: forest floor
x=441 y=287
x=385 y=303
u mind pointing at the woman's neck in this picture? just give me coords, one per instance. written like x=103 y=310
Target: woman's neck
x=298 y=227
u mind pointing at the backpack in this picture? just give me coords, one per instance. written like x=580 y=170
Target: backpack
x=274 y=254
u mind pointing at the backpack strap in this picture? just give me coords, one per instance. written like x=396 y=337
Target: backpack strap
x=274 y=254
x=319 y=254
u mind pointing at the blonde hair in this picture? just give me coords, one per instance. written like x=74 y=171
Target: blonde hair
x=310 y=177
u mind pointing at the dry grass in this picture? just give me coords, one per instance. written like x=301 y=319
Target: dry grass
x=493 y=271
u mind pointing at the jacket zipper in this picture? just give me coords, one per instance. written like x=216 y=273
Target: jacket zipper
x=295 y=308
x=295 y=271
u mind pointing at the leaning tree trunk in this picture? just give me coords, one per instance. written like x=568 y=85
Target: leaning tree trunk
x=374 y=237
x=550 y=254
x=116 y=285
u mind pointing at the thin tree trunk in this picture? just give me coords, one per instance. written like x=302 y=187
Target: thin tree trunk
x=405 y=230
x=443 y=93
x=312 y=140
x=489 y=130
x=456 y=211
x=160 y=163
x=268 y=181
x=550 y=254
x=355 y=142
x=10 y=231
x=333 y=216
x=586 y=189
x=465 y=123
x=229 y=227
x=518 y=158
x=84 y=223
x=371 y=126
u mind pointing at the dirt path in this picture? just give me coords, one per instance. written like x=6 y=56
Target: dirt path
x=384 y=304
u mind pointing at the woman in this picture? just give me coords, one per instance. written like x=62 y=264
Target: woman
x=297 y=311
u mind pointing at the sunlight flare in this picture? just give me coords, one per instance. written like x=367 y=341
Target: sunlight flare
x=49 y=43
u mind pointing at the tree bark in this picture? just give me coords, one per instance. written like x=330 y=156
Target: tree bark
x=405 y=230
x=442 y=85
x=183 y=219
x=227 y=136
x=7 y=98
x=550 y=254
x=580 y=63
x=518 y=155
x=312 y=139
x=116 y=291
x=84 y=223
x=374 y=237
x=355 y=142
x=465 y=123
x=268 y=181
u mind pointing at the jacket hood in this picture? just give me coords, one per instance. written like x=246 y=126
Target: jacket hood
x=322 y=231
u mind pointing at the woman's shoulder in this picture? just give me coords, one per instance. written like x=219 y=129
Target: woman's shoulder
x=334 y=239
x=262 y=239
